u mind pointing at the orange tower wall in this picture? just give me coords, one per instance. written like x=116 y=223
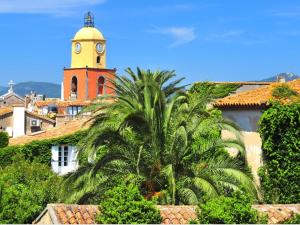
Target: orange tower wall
x=87 y=82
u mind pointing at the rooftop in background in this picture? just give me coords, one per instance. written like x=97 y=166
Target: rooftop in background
x=60 y=103
x=5 y=110
x=56 y=132
x=254 y=98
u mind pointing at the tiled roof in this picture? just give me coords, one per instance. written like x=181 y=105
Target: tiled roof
x=86 y=214
x=278 y=213
x=172 y=214
x=5 y=110
x=60 y=103
x=258 y=97
x=56 y=132
x=243 y=82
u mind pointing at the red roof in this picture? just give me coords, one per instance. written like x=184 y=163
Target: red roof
x=60 y=103
x=5 y=110
x=86 y=214
x=257 y=97
x=56 y=132
x=171 y=214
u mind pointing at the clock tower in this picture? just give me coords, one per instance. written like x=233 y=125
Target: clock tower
x=88 y=77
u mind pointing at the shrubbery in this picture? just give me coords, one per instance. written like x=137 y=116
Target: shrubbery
x=38 y=150
x=4 y=139
x=280 y=175
x=125 y=205
x=229 y=210
x=25 y=190
x=212 y=90
x=294 y=220
x=283 y=91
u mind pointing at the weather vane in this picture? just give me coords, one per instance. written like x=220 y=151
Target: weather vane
x=89 y=20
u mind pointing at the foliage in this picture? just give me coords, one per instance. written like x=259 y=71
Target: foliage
x=283 y=91
x=212 y=90
x=229 y=210
x=294 y=220
x=38 y=150
x=164 y=140
x=4 y=139
x=125 y=205
x=280 y=175
x=25 y=189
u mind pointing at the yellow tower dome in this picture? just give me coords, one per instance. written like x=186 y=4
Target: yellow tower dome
x=88 y=46
x=88 y=33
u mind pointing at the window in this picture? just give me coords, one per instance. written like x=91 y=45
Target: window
x=74 y=85
x=74 y=110
x=98 y=59
x=63 y=154
x=101 y=82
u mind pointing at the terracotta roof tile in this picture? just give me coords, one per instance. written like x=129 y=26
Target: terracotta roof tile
x=86 y=214
x=243 y=82
x=278 y=213
x=60 y=103
x=56 y=132
x=256 y=97
x=5 y=110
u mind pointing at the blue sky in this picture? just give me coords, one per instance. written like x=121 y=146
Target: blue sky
x=218 y=40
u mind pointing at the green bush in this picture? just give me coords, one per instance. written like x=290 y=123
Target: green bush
x=25 y=189
x=283 y=91
x=293 y=220
x=4 y=139
x=125 y=205
x=280 y=175
x=38 y=150
x=211 y=90
x=229 y=210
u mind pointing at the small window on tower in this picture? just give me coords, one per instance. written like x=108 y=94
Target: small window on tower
x=98 y=59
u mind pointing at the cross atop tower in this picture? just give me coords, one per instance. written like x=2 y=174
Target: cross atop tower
x=11 y=85
x=89 y=20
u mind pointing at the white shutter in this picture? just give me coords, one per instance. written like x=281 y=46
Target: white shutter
x=73 y=158
x=54 y=159
x=54 y=153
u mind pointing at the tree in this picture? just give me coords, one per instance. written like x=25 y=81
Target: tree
x=130 y=208
x=25 y=190
x=149 y=133
x=4 y=139
x=236 y=209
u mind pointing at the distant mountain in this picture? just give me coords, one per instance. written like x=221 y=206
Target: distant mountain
x=51 y=90
x=287 y=76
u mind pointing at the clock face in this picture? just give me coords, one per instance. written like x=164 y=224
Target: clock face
x=77 y=47
x=99 y=47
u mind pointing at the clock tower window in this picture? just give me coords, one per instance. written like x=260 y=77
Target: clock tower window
x=98 y=59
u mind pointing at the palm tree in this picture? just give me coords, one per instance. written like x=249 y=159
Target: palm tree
x=148 y=132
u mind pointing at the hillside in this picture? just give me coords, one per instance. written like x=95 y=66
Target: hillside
x=288 y=77
x=51 y=90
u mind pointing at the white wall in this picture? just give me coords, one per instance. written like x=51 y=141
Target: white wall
x=18 y=121
x=247 y=120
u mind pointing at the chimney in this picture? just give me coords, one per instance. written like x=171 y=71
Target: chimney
x=18 y=120
x=281 y=79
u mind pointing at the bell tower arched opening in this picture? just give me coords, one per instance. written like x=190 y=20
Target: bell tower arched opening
x=101 y=83
x=74 y=87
